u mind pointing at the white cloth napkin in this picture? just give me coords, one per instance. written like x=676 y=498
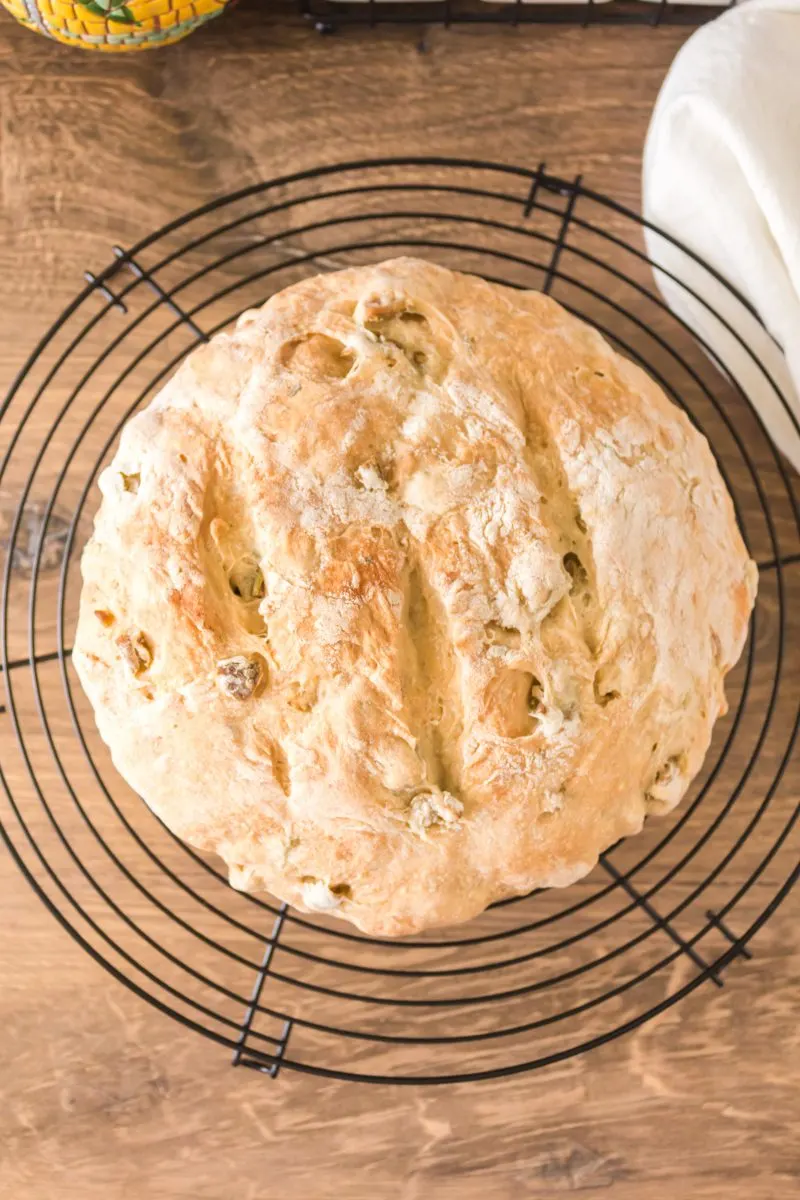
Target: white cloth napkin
x=722 y=174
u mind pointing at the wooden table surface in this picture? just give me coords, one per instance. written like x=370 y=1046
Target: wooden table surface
x=103 y=1096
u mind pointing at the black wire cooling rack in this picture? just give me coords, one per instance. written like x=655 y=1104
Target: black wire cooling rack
x=534 y=980
x=327 y=16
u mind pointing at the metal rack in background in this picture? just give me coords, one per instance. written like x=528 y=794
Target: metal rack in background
x=534 y=980
x=327 y=16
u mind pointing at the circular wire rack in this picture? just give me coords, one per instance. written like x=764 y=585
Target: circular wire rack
x=533 y=980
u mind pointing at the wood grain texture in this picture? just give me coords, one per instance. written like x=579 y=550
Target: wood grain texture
x=103 y=1096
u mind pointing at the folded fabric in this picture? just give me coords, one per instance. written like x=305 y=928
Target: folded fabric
x=722 y=175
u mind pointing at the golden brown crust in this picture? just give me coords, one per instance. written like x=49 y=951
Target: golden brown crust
x=410 y=594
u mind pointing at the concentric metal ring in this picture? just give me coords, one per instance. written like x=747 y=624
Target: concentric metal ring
x=650 y=925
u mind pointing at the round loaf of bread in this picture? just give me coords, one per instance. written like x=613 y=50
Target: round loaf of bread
x=409 y=594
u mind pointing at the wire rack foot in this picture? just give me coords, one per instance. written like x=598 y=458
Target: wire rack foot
x=260 y=1061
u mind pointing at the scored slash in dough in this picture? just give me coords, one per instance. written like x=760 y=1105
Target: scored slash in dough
x=410 y=594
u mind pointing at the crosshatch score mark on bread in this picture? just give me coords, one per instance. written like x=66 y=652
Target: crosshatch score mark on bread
x=410 y=594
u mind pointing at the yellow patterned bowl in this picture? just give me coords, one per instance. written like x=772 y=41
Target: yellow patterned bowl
x=114 y=24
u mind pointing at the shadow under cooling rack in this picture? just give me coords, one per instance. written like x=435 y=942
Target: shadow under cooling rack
x=533 y=980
